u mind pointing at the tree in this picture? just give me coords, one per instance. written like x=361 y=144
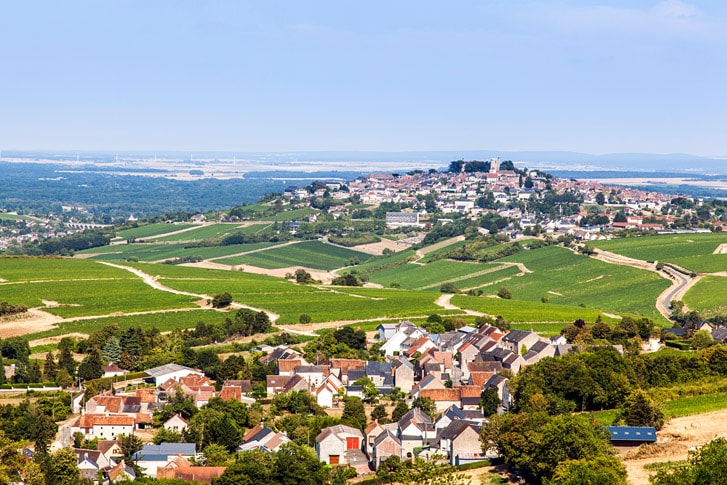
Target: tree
x=702 y=339
x=3 y=379
x=65 y=358
x=379 y=414
x=298 y=465
x=91 y=367
x=354 y=414
x=640 y=410
x=216 y=455
x=601 y=470
x=426 y=405
x=63 y=468
x=600 y=198
x=708 y=464
x=489 y=401
x=253 y=467
x=399 y=410
x=130 y=445
x=44 y=431
x=112 y=350
x=303 y=277
x=448 y=288
x=304 y=318
x=504 y=293
x=165 y=435
x=49 y=367
x=10 y=458
x=62 y=378
x=222 y=300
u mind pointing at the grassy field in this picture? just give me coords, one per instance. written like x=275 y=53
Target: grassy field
x=93 y=296
x=376 y=263
x=311 y=254
x=292 y=215
x=528 y=311
x=158 y=252
x=163 y=321
x=37 y=269
x=212 y=231
x=692 y=251
x=151 y=230
x=432 y=275
x=703 y=296
x=566 y=278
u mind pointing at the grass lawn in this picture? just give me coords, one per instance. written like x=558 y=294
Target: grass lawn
x=692 y=251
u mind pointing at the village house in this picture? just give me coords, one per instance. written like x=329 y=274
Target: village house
x=342 y=445
x=151 y=456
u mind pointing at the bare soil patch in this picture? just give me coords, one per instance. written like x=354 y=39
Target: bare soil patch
x=378 y=247
x=721 y=249
x=555 y=293
x=600 y=277
x=32 y=321
x=674 y=441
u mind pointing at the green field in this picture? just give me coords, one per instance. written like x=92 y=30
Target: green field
x=566 y=278
x=528 y=311
x=692 y=251
x=708 y=296
x=151 y=230
x=376 y=263
x=432 y=275
x=212 y=231
x=43 y=269
x=163 y=321
x=159 y=252
x=291 y=215
x=85 y=297
x=311 y=254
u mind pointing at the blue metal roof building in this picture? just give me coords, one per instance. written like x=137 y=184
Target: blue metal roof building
x=632 y=435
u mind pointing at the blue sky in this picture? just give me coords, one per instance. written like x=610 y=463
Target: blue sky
x=589 y=76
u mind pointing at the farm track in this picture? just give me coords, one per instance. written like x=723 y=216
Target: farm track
x=152 y=281
x=463 y=277
x=289 y=243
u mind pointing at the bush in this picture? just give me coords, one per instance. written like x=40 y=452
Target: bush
x=504 y=293
x=448 y=288
x=222 y=300
x=304 y=318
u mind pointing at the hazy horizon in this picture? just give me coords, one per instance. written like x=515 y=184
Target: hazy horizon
x=611 y=76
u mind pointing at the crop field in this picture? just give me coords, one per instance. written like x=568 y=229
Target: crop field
x=528 y=311
x=380 y=261
x=708 y=296
x=432 y=275
x=692 y=251
x=292 y=215
x=43 y=269
x=158 y=252
x=572 y=279
x=151 y=230
x=163 y=321
x=311 y=254
x=93 y=297
x=212 y=231
x=343 y=304
x=543 y=329
x=488 y=279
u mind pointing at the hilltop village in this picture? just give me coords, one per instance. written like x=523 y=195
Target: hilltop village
x=199 y=366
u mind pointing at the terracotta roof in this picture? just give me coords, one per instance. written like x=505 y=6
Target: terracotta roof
x=452 y=394
x=231 y=393
x=346 y=364
x=105 y=445
x=147 y=395
x=470 y=391
x=479 y=378
x=91 y=420
x=287 y=365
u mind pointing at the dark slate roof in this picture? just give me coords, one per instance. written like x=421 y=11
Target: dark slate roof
x=679 y=332
x=355 y=374
x=516 y=336
x=632 y=433
x=719 y=333
x=539 y=346
x=378 y=369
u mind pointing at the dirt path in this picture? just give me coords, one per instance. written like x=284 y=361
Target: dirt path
x=674 y=441
x=429 y=249
x=445 y=301
x=252 y=251
x=680 y=283
x=174 y=233
x=152 y=281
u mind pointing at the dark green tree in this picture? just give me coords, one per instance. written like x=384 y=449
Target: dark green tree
x=708 y=464
x=399 y=411
x=92 y=366
x=354 y=414
x=641 y=410
x=63 y=468
x=489 y=401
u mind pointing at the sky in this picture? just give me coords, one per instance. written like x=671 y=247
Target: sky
x=232 y=75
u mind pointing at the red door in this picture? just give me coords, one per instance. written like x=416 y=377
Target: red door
x=351 y=443
x=334 y=459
